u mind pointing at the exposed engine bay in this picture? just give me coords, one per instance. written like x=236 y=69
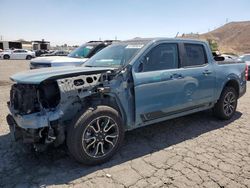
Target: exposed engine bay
x=40 y=112
x=26 y=98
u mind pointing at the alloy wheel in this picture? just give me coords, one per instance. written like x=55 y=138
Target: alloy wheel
x=229 y=103
x=100 y=137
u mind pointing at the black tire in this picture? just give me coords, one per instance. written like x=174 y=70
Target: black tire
x=6 y=57
x=82 y=136
x=29 y=57
x=222 y=108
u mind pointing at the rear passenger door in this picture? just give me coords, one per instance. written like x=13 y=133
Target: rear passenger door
x=198 y=75
x=158 y=83
x=23 y=54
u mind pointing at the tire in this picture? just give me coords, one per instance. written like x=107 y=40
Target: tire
x=6 y=57
x=226 y=106
x=29 y=57
x=91 y=145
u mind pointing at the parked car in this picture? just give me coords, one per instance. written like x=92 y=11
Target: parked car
x=246 y=58
x=41 y=52
x=75 y=58
x=56 y=53
x=125 y=86
x=17 y=54
x=229 y=57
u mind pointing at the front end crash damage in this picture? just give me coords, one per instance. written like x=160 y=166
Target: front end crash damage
x=34 y=113
x=39 y=114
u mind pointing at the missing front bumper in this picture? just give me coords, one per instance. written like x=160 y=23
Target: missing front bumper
x=52 y=134
x=20 y=134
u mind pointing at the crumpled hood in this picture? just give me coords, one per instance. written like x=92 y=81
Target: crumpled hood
x=38 y=75
x=59 y=60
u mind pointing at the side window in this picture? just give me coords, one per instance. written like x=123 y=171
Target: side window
x=161 y=57
x=195 y=55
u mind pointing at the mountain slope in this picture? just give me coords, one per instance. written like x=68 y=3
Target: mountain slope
x=233 y=37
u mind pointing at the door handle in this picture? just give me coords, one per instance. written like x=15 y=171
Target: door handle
x=207 y=72
x=176 y=76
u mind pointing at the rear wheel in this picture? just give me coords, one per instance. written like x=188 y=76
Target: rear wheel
x=96 y=135
x=29 y=57
x=227 y=104
x=6 y=57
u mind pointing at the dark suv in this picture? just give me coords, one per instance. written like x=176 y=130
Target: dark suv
x=75 y=58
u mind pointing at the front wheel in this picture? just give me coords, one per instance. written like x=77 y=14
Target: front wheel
x=227 y=104
x=96 y=135
x=6 y=57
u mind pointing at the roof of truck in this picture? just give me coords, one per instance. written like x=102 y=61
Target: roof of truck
x=147 y=40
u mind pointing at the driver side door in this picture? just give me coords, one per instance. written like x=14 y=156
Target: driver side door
x=15 y=54
x=158 y=83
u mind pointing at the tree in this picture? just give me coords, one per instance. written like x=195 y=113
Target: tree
x=213 y=45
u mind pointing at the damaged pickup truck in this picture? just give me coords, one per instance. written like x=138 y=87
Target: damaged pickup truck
x=125 y=86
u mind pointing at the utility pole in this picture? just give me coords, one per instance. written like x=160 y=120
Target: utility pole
x=1 y=37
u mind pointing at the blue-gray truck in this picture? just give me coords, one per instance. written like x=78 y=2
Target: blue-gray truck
x=125 y=86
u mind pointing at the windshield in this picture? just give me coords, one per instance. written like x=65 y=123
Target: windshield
x=81 y=52
x=114 y=56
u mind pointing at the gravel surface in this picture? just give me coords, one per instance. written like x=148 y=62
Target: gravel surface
x=193 y=151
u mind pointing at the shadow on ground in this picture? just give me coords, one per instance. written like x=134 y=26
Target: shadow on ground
x=55 y=167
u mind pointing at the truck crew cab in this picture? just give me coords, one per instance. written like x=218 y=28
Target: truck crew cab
x=127 y=85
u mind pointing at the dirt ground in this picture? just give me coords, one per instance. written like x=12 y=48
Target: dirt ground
x=193 y=151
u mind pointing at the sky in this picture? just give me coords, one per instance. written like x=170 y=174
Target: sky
x=76 y=21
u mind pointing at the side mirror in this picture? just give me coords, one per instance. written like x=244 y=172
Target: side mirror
x=219 y=58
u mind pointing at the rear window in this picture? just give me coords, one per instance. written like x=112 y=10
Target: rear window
x=195 y=55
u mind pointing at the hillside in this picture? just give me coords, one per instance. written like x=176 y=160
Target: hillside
x=233 y=37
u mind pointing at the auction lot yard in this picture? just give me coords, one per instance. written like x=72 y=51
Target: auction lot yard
x=193 y=151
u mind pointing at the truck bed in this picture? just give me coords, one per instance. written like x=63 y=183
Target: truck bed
x=229 y=62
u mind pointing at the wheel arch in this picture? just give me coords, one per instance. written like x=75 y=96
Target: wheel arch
x=234 y=84
x=6 y=55
x=231 y=80
x=28 y=55
x=108 y=100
